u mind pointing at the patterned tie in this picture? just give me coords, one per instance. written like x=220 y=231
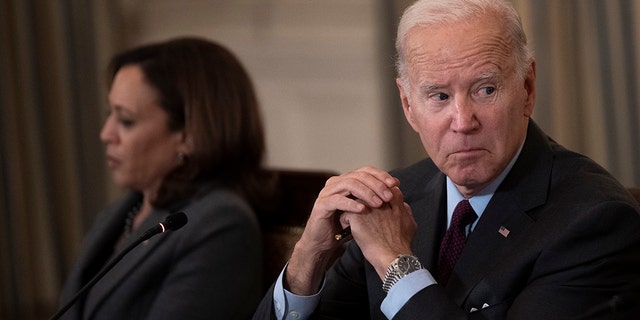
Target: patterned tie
x=454 y=239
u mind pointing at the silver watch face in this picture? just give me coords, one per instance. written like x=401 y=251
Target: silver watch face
x=408 y=264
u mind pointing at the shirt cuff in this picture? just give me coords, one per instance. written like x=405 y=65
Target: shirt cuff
x=404 y=289
x=290 y=306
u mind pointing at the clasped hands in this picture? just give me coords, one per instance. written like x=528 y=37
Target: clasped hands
x=367 y=200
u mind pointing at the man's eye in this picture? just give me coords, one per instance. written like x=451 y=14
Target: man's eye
x=442 y=96
x=489 y=90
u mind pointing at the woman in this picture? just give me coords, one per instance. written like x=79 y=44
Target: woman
x=183 y=133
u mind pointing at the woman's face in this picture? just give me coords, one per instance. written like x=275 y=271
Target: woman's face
x=140 y=148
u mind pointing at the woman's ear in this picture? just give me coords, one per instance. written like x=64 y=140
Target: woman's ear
x=186 y=146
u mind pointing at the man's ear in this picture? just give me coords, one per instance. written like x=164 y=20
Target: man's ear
x=406 y=105
x=530 y=89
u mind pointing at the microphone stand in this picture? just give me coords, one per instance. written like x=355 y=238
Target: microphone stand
x=160 y=228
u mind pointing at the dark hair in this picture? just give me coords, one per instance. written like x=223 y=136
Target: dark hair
x=206 y=91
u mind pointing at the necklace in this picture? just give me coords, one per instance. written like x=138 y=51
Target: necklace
x=131 y=216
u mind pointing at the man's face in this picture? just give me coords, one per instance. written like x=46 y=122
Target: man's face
x=465 y=99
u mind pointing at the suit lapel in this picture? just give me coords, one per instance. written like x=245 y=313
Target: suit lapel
x=99 y=245
x=126 y=266
x=504 y=221
x=430 y=216
x=505 y=217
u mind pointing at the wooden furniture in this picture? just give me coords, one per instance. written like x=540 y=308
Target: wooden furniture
x=282 y=225
x=635 y=192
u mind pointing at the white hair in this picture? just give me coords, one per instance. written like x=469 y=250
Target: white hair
x=443 y=12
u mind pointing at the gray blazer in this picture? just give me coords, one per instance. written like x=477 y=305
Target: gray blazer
x=572 y=250
x=209 y=269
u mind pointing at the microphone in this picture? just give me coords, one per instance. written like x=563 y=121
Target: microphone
x=172 y=222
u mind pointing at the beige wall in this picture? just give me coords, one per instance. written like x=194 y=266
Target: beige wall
x=323 y=71
x=315 y=65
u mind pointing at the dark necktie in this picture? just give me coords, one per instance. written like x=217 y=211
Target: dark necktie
x=454 y=239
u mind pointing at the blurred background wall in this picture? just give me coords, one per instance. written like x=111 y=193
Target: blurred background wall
x=324 y=74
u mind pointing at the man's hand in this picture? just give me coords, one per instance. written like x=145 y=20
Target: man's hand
x=355 y=192
x=383 y=232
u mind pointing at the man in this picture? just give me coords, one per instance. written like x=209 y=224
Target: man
x=547 y=234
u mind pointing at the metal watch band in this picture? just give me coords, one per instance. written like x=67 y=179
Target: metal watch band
x=394 y=274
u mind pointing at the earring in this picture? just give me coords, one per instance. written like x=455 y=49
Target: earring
x=181 y=157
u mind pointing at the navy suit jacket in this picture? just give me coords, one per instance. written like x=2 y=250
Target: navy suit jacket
x=572 y=248
x=208 y=269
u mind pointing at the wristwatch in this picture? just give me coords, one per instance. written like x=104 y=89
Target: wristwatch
x=398 y=269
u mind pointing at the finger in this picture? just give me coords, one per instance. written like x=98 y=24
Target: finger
x=368 y=187
x=340 y=203
x=368 y=184
x=344 y=220
x=345 y=231
x=398 y=198
x=381 y=175
x=407 y=208
x=352 y=186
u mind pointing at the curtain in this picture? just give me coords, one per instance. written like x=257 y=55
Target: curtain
x=588 y=67
x=52 y=178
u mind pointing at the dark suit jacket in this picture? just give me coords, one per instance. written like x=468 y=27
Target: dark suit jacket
x=572 y=251
x=209 y=269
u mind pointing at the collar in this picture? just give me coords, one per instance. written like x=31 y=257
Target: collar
x=480 y=201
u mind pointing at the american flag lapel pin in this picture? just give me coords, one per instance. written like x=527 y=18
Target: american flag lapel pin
x=503 y=231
